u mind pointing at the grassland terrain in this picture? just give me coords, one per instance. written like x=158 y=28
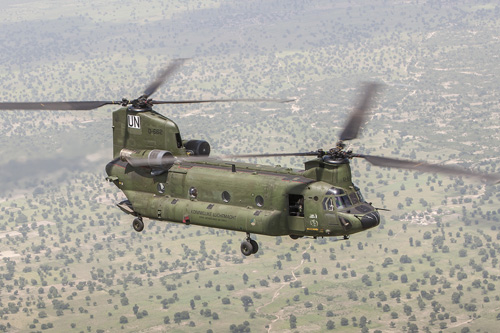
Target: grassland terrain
x=70 y=260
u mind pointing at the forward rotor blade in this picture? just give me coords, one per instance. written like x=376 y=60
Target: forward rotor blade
x=168 y=160
x=311 y=153
x=427 y=167
x=55 y=105
x=225 y=101
x=164 y=75
x=357 y=117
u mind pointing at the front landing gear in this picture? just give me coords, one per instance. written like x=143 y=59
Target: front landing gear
x=249 y=246
x=138 y=224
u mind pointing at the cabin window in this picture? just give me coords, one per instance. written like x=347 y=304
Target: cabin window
x=259 y=201
x=296 y=205
x=226 y=197
x=161 y=188
x=193 y=193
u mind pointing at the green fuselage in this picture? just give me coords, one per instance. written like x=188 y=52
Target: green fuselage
x=244 y=197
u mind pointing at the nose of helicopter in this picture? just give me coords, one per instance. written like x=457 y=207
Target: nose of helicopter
x=370 y=220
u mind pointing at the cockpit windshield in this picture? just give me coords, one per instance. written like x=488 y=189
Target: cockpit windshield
x=343 y=202
x=338 y=198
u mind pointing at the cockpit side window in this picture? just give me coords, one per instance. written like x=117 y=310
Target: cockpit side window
x=328 y=204
x=358 y=192
x=354 y=198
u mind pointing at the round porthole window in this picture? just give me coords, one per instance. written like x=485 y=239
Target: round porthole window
x=193 y=193
x=259 y=201
x=226 y=197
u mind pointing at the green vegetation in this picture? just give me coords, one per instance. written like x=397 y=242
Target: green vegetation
x=70 y=259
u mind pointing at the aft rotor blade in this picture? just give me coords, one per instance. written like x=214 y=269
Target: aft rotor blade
x=55 y=105
x=357 y=117
x=311 y=153
x=225 y=101
x=164 y=75
x=427 y=167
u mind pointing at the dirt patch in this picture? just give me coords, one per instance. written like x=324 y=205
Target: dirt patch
x=9 y=254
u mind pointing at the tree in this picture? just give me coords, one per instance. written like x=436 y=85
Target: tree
x=412 y=328
x=405 y=259
x=344 y=321
x=123 y=320
x=395 y=293
x=363 y=321
x=293 y=321
x=247 y=301
x=180 y=316
x=366 y=280
x=351 y=294
x=455 y=298
x=330 y=325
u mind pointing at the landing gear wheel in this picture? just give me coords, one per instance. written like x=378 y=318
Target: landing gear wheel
x=255 y=246
x=138 y=224
x=246 y=248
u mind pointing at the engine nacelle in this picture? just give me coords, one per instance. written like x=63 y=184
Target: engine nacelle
x=198 y=147
x=154 y=159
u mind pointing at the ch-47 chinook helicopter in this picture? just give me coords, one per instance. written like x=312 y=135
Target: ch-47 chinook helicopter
x=167 y=179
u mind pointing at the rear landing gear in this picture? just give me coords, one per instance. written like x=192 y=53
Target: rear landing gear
x=138 y=224
x=249 y=246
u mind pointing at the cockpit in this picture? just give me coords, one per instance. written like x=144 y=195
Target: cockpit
x=338 y=198
x=350 y=207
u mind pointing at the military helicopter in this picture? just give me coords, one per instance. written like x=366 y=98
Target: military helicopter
x=169 y=179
